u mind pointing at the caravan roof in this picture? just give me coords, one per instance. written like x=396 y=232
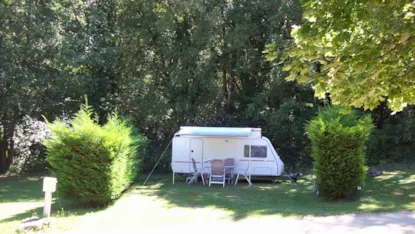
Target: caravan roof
x=219 y=131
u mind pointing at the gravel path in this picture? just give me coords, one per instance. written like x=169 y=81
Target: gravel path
x=379 y=223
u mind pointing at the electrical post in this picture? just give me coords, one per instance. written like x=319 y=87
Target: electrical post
x=49 y=186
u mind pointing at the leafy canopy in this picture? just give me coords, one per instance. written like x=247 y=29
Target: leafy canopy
x=361 y=52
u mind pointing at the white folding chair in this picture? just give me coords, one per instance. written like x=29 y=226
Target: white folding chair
x=196 y=173
x=217 y=174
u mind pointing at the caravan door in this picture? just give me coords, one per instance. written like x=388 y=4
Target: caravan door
x=196 y=152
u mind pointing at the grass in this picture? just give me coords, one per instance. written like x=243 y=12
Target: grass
x=161 y=203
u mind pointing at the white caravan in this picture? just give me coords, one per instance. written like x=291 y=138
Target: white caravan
x=252 y=152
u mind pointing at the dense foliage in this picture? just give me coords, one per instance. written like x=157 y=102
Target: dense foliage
x=361 y=52
x=52 y=53
x=394 y=139
x=201 y=63
x=94 y=164
x=164 y=64
x=338 y=138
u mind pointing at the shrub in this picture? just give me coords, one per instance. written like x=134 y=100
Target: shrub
x=94 y=164
x=338 y=139
x=29 y=150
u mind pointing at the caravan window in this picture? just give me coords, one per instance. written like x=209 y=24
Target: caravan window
x=257 y=151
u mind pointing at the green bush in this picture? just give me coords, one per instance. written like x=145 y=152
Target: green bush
x=338 y=139
x=94 y=164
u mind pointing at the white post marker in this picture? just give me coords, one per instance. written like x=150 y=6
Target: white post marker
x=49 y=186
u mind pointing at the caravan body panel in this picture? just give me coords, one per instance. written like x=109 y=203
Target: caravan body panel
x=263 y=160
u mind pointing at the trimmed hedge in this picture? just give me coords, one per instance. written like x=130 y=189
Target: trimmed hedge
x=94 y=164
x=338 y=139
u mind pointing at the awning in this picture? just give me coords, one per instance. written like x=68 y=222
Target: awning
x=215 y=131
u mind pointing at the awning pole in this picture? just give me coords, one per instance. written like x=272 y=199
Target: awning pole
x=158 y=162
x=173 y=177
x=249 y=165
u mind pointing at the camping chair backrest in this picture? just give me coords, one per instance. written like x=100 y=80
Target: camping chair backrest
x=217 y=167
x=229 y=162
x=194 y=164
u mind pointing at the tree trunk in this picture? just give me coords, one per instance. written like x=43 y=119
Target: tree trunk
x=10 y=152
x=2 y=157
x=233 y=72
x=224 y=84
x=6 y=149
x=224 y=73
x=224 y=60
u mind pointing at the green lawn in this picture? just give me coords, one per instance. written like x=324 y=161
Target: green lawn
x=160 y=202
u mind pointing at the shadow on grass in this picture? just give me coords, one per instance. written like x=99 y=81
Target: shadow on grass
x=58 y=211
x=389 y=192
x=20 y=188
x=28 y=189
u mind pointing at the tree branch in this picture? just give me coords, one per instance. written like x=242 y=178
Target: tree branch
x=75 y=13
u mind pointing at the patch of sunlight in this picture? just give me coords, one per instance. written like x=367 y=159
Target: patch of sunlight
x=65 y=221
x=143 y=192
x=389 y=175
x=153 y=186
x=8 y=227
x=252 y=215
x=15 y=208
x=410 y=187
x=309 y=177
x=33 y=178
x=265 y=187
x=410 y=206
x=291 y=191
x=369 y=207
x=409 y=180
x=368 y=199
x=305 y=182
x=141 y=210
